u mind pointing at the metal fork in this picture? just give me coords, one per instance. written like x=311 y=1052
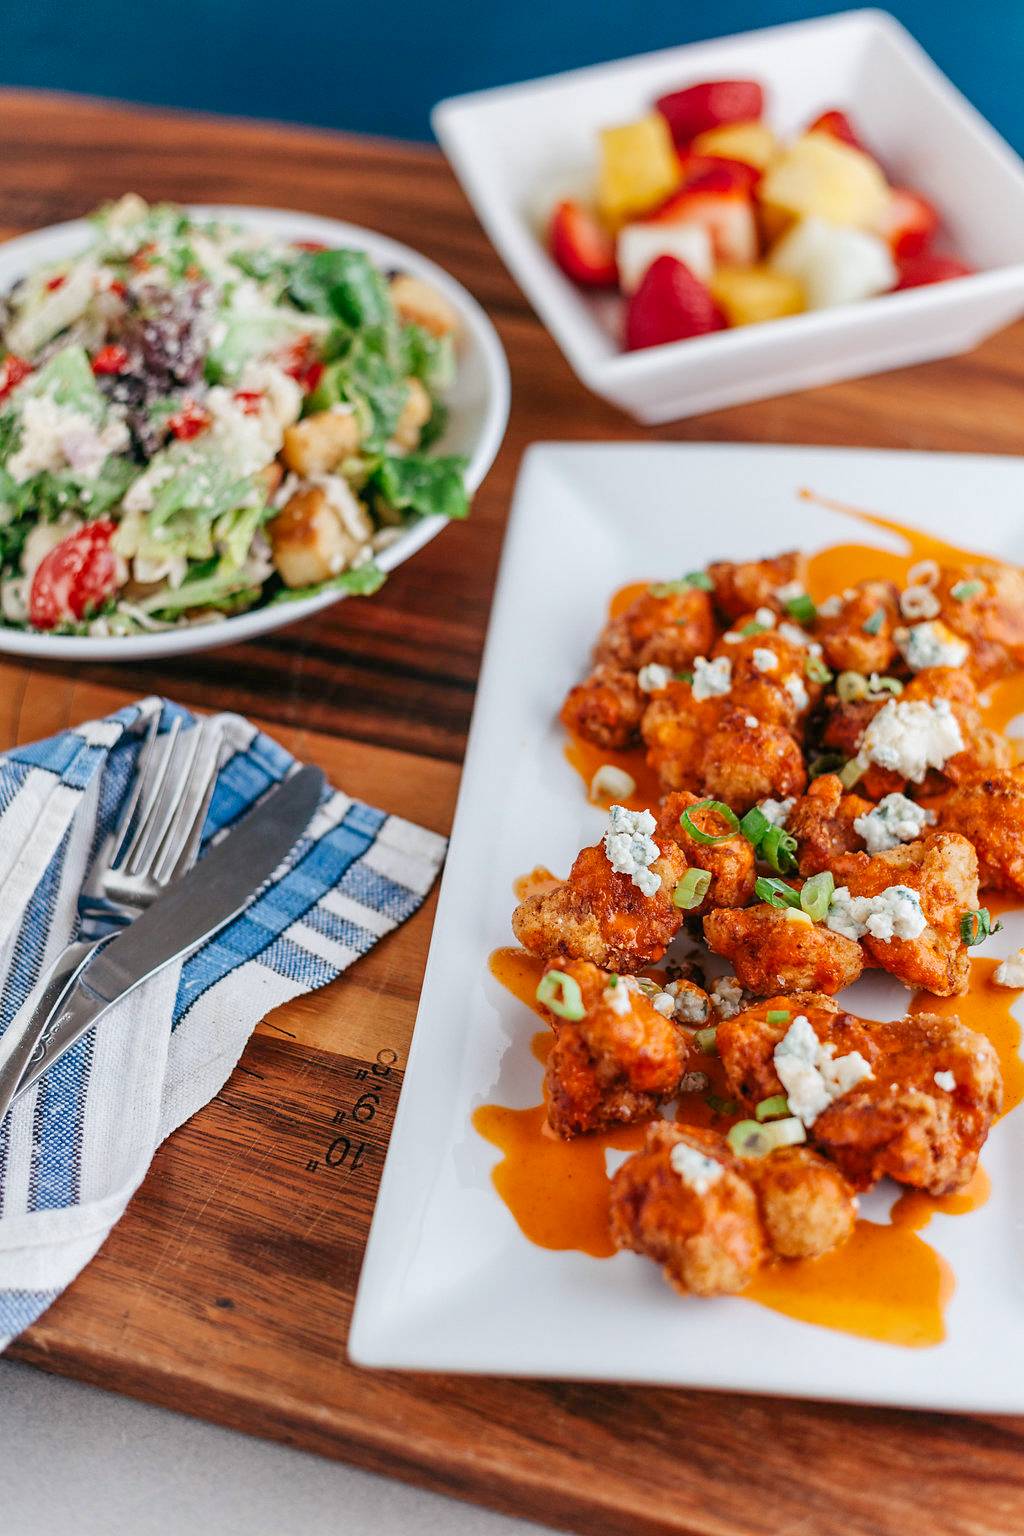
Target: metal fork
x=156 y=841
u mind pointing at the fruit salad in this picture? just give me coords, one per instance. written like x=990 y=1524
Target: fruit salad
x=703 y=218
x=197 y=419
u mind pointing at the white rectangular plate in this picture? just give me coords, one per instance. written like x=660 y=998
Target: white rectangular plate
x=449 y=1283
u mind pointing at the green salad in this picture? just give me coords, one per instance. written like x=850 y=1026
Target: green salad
x=196 y=420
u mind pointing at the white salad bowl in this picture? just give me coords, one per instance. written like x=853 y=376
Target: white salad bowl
x=478 y=403
x=520 y=148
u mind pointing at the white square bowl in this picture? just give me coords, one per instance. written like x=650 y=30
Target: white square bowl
x=516 y=147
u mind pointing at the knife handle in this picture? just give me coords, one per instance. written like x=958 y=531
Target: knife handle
x=24 y=1038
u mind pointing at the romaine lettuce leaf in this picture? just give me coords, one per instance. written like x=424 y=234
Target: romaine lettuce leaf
x=342 y=284
x=363 y=581
x=423 y=486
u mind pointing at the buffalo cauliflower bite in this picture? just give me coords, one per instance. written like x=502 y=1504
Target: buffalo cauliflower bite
x=666 y=625
x=989 y=812
x=675 y=728
x=984 y=604
x=822 y=821
x=731 y=864
x=942 y=870
x=769 y=678
x=616 y=1064
x=744 y=586
x=771 y=951
x=600 y=914
x=847 y=645
x=606 y=708
x=898 y=1122
x=712 y=1219
x=745 y=760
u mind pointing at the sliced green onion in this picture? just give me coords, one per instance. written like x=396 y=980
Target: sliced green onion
x=691 y=889
x=705 y=1040
x=730 y=818
x=779 y=850
x=816 y=670
x=748 y=1138
x=874 y=622
x=753 y=628
x=718 y=1105
x=816 y=895
x=699 y=579
x=561 y=993
x=776 y=892
x=877 y=685
x=612 y=783
x=778 y=1016
x=966 y=589
x=976 y=926
x=754 y=825
x=851 y=687
x=851 y=773
x=682 y=677
x=774 y=1108
x=825 y=762
x=802 y=609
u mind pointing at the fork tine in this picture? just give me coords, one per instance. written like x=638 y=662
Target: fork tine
x=181 y=842
x=119 y=842
x=179 y=756
x=152 y=776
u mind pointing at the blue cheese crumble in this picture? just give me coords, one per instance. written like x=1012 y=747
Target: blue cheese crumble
x=894 y=820
x=711 y=679
x=931 y=645
x=697 y=1171
x=894 y=913
x=653 y=678
x=811 y=1073
x=911 y=737
x=631 y=849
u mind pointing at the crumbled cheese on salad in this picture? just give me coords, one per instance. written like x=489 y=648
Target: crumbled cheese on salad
x=711 y=679
x=931 y=645
x=631 y=849
x=765 y=660
x=1010 y=972
x=894 y=913
x=697 y=1171
x=653 y=678
x=57 y=437
x=894 y=820
x=811 y=1073
x=909 y=737
x=945 y=1080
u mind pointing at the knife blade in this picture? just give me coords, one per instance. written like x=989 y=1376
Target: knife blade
x=191 y=911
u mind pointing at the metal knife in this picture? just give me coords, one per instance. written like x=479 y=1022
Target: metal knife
x=191 y=911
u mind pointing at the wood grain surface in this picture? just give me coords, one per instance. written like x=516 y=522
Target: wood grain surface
x=226 y=1291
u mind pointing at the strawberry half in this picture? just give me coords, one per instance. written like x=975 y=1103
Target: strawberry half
x=583 y=248
x=909 y=224
x=670 y=305
x=709 y=105
x=918 y=271
x=725 y=211
x=713 y=173
x=839 y=126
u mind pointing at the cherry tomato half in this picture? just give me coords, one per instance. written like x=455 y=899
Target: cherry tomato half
x=76 y=577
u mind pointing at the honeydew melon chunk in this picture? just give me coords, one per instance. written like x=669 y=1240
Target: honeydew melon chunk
x=638 y=245
x=832 y=264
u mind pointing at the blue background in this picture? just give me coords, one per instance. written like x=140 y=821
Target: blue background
x=378 y=68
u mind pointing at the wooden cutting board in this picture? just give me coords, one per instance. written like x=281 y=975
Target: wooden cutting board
x=226 y=1291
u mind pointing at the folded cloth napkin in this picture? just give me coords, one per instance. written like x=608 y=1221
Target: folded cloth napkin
x=75 y=1147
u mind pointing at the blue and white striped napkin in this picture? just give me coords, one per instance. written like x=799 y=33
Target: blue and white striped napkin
x=76 y=1147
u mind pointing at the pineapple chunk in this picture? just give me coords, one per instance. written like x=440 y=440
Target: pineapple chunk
x=751 y=294
x=319 y=533
x=752 y=143
x=834 y=265
x=639 y=245
x=639 y=168
x=821 y=177
x=416 y=412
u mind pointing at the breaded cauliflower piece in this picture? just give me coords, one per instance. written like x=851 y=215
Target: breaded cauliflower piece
x=675 y=728
x=712 y=1220
x=943 y=869
x=770 y=678
x=847 y=645
x=990 y=619
x=599 y=915
x=616 y=1064
x=822 y=823
x=606 y=708
x=731 y=865
x=899 y=1122
x=744 y=586
x=771 y=951
x=745 y=760
x=668 y=625
x=989 y=812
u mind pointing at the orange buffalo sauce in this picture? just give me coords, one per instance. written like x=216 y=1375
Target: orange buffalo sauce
x=886 y=1283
